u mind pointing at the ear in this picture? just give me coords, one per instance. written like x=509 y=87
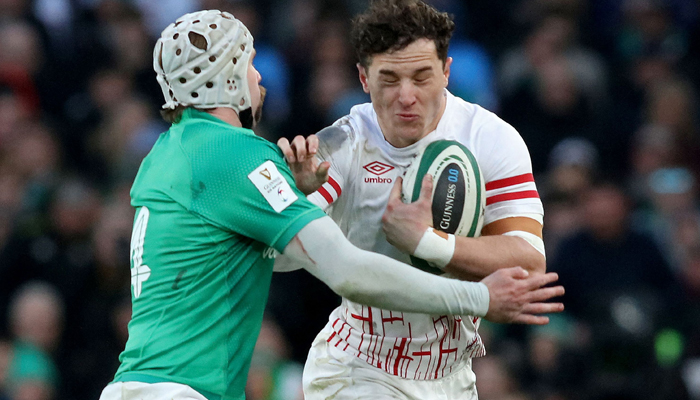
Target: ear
x=363 y=77
x=446 y=71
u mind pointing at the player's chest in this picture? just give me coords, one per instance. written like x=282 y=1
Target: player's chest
x=373 y=176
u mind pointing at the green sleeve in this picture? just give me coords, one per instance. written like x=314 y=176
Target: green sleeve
x=224 y=193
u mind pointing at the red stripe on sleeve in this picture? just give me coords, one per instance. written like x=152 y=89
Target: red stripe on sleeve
x=335 y=185
x=325 y=194
x=513 y=180
x=525 y=194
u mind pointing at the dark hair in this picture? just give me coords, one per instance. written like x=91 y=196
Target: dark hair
x=173 y=115
x=391 y=25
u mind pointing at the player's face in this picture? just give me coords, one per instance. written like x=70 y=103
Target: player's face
x=257 y=91
x=407 y=91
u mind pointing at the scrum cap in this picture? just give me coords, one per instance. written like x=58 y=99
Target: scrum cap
x=202 y=60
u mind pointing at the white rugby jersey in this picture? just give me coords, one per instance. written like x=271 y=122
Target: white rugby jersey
x=364 y=167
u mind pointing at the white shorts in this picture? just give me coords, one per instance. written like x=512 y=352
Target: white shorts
x=332 y=373
x=149 y=391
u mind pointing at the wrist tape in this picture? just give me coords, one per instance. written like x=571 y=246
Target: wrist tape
x=437 y=248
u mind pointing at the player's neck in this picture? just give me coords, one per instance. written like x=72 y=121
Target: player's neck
x=227 y=115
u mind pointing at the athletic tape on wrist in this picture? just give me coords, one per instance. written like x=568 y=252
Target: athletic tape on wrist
x=436 y=248
x=534 y=240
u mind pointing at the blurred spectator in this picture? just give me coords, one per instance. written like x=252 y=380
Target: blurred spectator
x=272 y=375
x=554 y=367
x=21 y=48
x=649 y=25
x=614 y=257
x=37 y=316
x=85 y=110
x=330 y=82
x=13 y=110
x=618 y=283
x=35 y=156
x=648 y=47
x=563 y=219
x=270 y=63
x=111 y=247
x=672 y=104
x=671 y=213
x=126 y=135
x=495 y=380
x=573 y=165
x=24 y=66
x=20 y=61
x=60 y=254
x=5 y=360
x=552 y=109
x=31 y=374
x=652 y=148
x=555 y=36
x=36 y=319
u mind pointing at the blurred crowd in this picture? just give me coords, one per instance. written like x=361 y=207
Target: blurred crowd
x=604 y=92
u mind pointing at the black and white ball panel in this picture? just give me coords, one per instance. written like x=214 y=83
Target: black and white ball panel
x=458 y=190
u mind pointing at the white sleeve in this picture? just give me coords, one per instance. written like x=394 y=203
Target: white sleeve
x=379 y=281
x=335 y=146
x=507 y=169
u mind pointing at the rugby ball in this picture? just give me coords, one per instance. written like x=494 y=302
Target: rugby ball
x=458 y=199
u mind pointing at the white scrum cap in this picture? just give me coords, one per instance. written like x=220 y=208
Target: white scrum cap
x=206 y=73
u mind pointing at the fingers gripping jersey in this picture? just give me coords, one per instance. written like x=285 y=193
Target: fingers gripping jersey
x=364 y=166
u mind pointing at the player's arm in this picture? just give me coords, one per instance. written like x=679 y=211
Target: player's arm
x=506 y=242
x=512 y=234
x=509 y=295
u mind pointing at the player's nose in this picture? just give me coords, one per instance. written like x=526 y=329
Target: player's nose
x=407 y=94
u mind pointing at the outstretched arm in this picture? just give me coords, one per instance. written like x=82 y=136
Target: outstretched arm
x=509 y=295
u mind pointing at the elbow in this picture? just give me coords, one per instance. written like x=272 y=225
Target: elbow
x=359 y=293
x=345 y=289
x=539 y=263
x=532 y=259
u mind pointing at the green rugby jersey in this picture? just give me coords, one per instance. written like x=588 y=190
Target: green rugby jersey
x=212 y=202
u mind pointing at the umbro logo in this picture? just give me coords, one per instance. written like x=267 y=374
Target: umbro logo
x=377 y=168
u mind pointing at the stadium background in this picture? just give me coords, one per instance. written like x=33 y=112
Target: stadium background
x=604 y=92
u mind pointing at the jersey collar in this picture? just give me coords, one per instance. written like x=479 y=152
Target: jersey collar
x=192 y=114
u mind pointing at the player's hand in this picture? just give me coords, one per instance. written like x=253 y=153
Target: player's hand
x=404 y=224
x=518 y=297
x=301 y=157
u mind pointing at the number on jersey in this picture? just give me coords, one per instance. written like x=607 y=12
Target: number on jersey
x=139 y=272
